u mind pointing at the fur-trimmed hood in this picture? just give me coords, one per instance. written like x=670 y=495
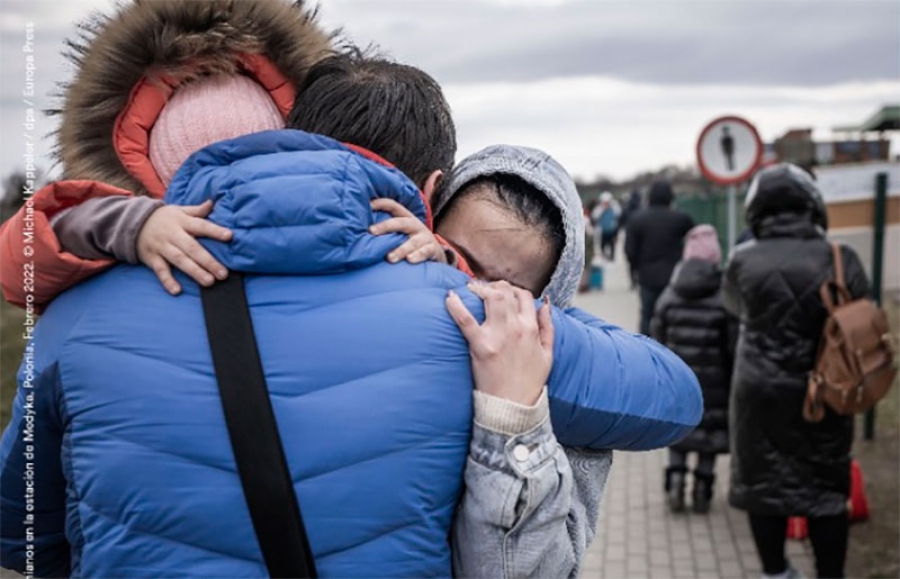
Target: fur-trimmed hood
x=165 y=43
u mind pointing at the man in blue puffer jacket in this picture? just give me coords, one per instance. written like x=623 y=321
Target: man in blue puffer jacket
x=118 y=418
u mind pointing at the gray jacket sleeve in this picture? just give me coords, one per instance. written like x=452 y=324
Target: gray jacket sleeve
x=104 y=227
x=530 y=507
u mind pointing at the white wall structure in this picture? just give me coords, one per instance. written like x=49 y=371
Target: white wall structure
x=849 y=192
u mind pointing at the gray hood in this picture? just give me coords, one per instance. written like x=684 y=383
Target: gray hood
x=547 y=175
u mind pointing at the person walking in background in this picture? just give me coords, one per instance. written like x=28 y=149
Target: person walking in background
x=606 y=219
x=691 y=320
x=630 y=210
x=653 y=246
x=589 y=251
x=782 y=465
x=632 y=206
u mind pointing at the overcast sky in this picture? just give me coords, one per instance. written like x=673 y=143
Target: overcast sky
x=606 y=87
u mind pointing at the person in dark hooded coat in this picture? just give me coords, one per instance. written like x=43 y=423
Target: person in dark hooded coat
x=632 y=206
x=691 y=320
x=782 y=465
x=653 y=246
x=631 y=209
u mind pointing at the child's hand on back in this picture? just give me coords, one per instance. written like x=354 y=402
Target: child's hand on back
x=169 y=237
x=421 y=245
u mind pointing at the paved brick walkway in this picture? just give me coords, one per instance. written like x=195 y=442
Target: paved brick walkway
x=638 y=536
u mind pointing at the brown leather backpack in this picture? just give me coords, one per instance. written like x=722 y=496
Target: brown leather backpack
x=855 y=365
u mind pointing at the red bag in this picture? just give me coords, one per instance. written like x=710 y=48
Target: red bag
x=797 y=528
x=857 y=506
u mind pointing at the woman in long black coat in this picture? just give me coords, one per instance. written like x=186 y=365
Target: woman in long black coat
x=782 y=465
x=691 y=320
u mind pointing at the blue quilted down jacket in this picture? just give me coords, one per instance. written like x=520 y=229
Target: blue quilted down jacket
x=118 y=450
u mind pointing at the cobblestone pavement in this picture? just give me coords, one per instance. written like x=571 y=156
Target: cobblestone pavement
x=638 y=536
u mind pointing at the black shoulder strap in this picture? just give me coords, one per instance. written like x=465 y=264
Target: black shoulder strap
x=253 y=431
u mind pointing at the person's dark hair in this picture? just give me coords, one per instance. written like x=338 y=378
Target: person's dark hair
x=527 y=203
x=394 y=110
x=661 y=194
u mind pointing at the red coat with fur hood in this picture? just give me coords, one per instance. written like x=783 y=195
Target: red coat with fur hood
x=128 y=65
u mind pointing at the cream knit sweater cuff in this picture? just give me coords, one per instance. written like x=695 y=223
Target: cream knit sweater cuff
x=507 y=417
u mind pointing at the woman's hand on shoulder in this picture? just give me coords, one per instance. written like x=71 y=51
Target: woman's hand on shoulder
x=512 y=351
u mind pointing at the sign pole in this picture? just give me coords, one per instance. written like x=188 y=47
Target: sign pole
x=732 y=217
x=877 y=270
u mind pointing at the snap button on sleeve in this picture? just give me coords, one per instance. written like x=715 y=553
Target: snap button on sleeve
x=521 y=453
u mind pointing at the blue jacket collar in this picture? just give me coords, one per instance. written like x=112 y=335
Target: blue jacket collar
x=298 y=203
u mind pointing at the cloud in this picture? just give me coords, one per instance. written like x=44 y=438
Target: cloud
x=684 y=42
x=608 y=86
x=597 y=125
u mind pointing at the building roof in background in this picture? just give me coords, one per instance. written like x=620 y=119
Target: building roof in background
x=886 y=119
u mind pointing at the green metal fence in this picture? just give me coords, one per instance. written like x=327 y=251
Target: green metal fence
x=713 y=209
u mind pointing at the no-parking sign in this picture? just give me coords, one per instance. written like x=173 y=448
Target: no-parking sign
x=729 y=150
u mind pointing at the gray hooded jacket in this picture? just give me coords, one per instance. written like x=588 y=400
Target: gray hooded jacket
x=548 y=176
x=534 y=515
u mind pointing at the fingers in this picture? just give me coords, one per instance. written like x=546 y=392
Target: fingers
x=408 y=225
x=202 y=258
x=528 y=317
x=201 y=210
x=467 y=323
x=525 y=302
x=169 y=238
x=403 y=251
x=479 y=289
x=198 y=226
x=428 y=252
x=545 y=326
x=182 y=261
x=161 y=268
x=204 y=228
x=392 y=207
x=191 y=258
x=416 y=249
x=402 y=221
x=500 y=304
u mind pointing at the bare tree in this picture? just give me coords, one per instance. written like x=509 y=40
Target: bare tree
x=14 y=191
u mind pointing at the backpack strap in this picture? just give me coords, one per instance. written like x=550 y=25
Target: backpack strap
x=813 y=408
x=261 y=464
x=840 y=294
x=838 y=265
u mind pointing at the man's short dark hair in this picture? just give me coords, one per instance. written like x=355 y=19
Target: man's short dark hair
x=394 y=110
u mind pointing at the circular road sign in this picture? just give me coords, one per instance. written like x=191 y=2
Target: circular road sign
x=729 y=150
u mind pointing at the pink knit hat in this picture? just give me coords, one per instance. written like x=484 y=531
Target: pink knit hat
x=702 y=242
x=205 y=111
